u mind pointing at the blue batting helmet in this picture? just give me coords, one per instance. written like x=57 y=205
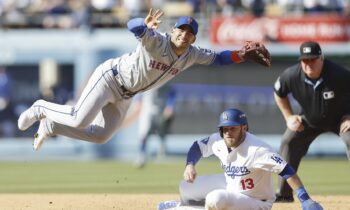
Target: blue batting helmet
x=232 y=117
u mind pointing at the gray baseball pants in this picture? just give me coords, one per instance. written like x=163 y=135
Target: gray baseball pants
x=98 y=113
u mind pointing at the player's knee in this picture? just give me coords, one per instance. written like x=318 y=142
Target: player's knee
x=77 y=123
x=183 y=186
x=215 y=200
x=102 y=139
x=190 y=194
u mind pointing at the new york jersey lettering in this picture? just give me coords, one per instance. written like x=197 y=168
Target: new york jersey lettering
x=162 y=67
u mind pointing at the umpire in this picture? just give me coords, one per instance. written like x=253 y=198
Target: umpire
x=322 y=88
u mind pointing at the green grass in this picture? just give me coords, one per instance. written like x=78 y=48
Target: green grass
x=326 y=177
x=323 y=177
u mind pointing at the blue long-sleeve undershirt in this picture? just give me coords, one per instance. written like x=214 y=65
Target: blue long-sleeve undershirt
x=137 y=26
x=194 y=154
x=223 y=58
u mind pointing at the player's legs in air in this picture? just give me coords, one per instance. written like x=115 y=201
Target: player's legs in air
x=95 y=95
x=96 y=116
x=99 y=131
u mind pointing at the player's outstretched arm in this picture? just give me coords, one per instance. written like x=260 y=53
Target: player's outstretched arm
x=254 y=51
x=294 y=122
x=306 y=202
x=193 y=156
x=138 y=26
x=295 y=183
x=152 y=19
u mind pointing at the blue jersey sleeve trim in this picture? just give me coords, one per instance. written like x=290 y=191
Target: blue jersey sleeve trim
x=137 y=26
x=223 y=58
x=194 y=154
x=287 y=172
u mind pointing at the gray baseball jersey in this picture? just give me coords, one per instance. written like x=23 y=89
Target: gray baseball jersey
x=154 y=62
x=105 y=100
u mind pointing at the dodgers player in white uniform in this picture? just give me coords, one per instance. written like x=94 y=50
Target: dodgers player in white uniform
x=248 y=164
x=106 y=98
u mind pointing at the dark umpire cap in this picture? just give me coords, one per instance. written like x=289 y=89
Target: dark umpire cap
x=310 y=50
x=187 y=20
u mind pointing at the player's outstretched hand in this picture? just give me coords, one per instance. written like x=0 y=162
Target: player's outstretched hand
x=257 y=52
x=152 y=20
x=311 y=205
x=190 y=173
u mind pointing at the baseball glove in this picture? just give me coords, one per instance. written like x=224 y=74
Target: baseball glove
x=257 y=52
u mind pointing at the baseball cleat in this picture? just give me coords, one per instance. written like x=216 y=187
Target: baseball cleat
x=284 y=199
x=40 y=137
x=141 y=161
x=168 y=205
x=26 y=119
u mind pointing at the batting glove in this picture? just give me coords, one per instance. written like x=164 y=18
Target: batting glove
x=311 y=205
x=306 y=202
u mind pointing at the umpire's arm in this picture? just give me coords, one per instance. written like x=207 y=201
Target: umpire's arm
x=294 y=122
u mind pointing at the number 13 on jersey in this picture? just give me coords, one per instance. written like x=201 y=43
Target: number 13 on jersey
x=247 y=184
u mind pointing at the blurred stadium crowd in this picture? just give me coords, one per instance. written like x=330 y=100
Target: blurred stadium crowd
x=95 y=14
x=90 y=14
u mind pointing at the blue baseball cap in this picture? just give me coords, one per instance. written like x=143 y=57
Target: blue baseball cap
x=187 y=20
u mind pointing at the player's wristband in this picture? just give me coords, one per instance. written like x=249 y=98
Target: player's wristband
x=302 y=194
x=235 y=57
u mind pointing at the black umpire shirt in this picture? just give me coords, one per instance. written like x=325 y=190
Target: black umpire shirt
x=323 y=102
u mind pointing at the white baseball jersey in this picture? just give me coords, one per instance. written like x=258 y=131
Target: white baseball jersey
x=248 y=167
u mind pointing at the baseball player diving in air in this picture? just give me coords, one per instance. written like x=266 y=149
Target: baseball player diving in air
x=248 y=164
x=158 y=58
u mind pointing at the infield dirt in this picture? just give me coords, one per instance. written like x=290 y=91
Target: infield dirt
x=127 y=202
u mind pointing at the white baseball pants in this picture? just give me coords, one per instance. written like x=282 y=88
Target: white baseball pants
x=212 y=188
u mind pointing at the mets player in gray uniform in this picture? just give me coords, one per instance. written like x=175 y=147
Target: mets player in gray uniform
x=248 y=165
x=102 y=106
